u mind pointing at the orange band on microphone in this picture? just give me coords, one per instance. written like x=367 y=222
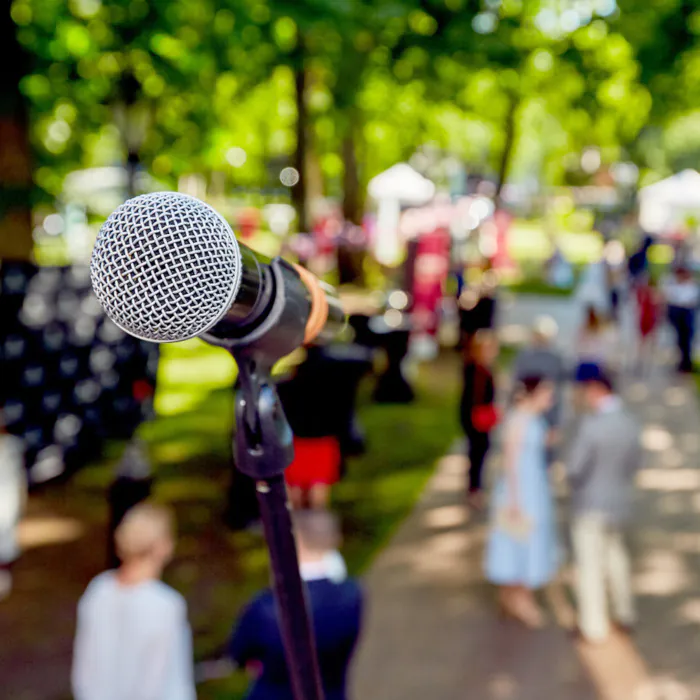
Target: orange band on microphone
x=319 y=304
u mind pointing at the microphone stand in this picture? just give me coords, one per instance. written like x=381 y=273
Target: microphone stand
x=263 y=448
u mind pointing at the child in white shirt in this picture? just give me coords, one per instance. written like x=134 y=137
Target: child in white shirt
x=133 y=638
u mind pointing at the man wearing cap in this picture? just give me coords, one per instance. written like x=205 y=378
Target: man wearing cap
x=601 y=470
x=683 y=298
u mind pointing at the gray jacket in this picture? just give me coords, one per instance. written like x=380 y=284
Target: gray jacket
x=603 y=462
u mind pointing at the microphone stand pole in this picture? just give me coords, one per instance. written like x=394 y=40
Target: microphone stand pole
x=263 y=448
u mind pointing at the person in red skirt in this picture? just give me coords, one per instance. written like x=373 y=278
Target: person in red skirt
x=318 y=401
x=316 y=467
x=648 y=312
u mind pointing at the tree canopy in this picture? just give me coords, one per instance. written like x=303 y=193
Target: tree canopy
x=234 y=90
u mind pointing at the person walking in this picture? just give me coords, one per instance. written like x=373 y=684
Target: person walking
x=319 y=401
x=682 y=299
x=601 y=468
x=335 y=603
x=478 y=413
x=638 y=263
x=592 y=289
x=615 y=275
x=522 y=553
x=478 y=303
x=133 y=639
x=648 y=313
x=593 y=344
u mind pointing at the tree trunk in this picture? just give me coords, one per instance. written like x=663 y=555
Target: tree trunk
x=352 y=195
x=132 y=130
x=15 y=154
x=315 y=185
x=508 y=147
x=132 y=167
x=351 y=256
x=299 y=190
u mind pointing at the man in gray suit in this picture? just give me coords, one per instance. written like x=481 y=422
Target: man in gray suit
x=601 y=469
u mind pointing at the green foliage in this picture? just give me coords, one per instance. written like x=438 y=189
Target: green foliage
x=112 y=74
x=510 y=79
x=536 y=286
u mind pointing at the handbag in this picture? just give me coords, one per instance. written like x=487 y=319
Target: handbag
x=485 y=417
x=513 y=523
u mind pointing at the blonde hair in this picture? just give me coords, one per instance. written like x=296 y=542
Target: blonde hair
x=142 y=528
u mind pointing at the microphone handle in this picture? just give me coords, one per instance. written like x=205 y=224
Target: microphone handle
x=253 y=294
x=279 y=305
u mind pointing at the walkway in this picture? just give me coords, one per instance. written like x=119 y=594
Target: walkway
x=433 y=633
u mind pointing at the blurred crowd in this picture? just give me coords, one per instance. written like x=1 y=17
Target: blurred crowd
x=133 y=638
x=603 y=453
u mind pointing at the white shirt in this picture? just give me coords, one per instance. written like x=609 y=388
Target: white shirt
x=132 y=643
x=610 y=404
x=683 y=294
x=331 y=567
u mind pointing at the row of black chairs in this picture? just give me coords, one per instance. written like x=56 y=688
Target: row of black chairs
x=71 y=378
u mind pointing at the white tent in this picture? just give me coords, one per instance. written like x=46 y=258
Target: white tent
x=102 y=190
x=665 y=205
x=399 y=185
x=401 y=182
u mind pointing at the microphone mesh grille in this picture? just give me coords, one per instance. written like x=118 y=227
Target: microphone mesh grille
x=165 y=267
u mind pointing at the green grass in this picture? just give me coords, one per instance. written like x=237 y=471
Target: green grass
x=535 y=286
x=527 y=241
x=530 y=247
x=189 y=443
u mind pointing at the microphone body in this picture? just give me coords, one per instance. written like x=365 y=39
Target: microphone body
x=167 y=267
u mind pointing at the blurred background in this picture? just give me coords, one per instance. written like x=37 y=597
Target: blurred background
x=422 y=155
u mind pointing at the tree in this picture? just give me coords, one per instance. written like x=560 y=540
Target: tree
x=118 y=79
x=293 y=34
x=15 y=156
x=664 y=38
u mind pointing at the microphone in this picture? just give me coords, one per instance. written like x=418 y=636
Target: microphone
x=167 y=267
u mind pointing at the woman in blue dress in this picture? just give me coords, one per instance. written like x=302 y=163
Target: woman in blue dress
x=521 y=553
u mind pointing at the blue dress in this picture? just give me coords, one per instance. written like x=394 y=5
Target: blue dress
x=532 y=559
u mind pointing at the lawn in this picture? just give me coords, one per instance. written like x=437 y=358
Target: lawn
x=536 y=286
x=530 y=247
x=218 y=571
x=527 y=241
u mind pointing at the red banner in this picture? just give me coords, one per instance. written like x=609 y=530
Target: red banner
x=429 y=278
x=502 y=221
